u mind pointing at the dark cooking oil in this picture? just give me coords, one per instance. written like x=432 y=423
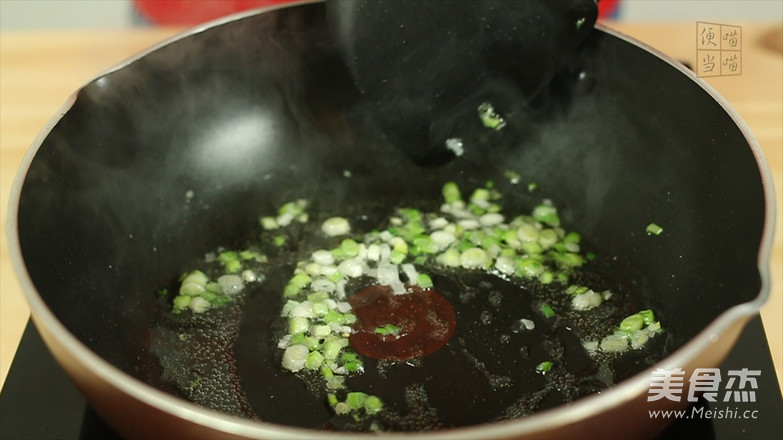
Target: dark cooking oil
x=227 y=359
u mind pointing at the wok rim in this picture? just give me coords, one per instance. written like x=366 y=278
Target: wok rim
x=581 y=409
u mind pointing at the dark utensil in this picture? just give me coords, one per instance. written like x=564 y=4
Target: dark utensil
x=178 y=151
x=424 y=66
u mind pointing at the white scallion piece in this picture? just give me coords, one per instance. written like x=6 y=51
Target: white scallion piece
x=302 y=310
x=230 y=284
x=373 y=252
x=442 y=238
x=199 y=304
x=336 y=226
x=385 y=252
x=249 y=276
x=586 y=301
x=389 y=275
x=323 y=285
x=438 y=223
x=285 y=219
x=294 y=357
x=614 y=343
x=590 y=346
x=505 y=265
x=287 y=307
x=639 y=338
x=469 y=224
x=350 y=268
x=411 y=272
x=491 y=219
x=456 y=146
x=323 y=257
x=284 y=341
x=343 y=307
x=313 y=269
x=328 y=271
x=341 y=289
x=473 y=258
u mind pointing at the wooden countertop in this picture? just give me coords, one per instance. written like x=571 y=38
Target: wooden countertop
x=39 y=71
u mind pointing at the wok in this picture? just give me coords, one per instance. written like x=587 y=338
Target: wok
x=178 y=151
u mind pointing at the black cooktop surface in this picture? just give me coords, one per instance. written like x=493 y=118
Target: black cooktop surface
x=39 y=402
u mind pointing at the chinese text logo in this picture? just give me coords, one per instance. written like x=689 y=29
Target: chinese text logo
x=718 y=49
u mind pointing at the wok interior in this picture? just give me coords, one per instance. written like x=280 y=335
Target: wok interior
x=180 y=151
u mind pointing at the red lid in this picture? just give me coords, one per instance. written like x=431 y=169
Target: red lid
x=190 y=12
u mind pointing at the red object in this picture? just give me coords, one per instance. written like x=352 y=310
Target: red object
x=424 y=319
x=191 y=12
x=607 y=8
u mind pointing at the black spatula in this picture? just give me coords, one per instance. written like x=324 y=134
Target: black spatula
x=425 y=65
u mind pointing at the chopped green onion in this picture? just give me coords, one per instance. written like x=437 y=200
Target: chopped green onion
x=529 y=268
x=576 y=289
x=298 y=325
x=411 y=214
x=350 y=247
x=632 y=323
x=653 y=229
x=302 y=339
x=547 y=311
x=252 y=255
x=336 y=226
x=474 y=258
x=180 y=302
x=648 y=316
x=397 y=257
x=451 y=192
x=355 y=399
x=194 y=284
x=639 y=338
x=546 y=277
x=480 y=195
x=332 y=348
x=314 y=360
x=547 y=238
x=489 y=117
x=424 y=281
x=546 y=214
x=512 y=176
x=320 y=309
x=572 y=237
x=268 y=223
x=294 y=357
x=388 y=329
x=614 y=343
x=348 y=356
x=543 y=367
x=320 y=331
x=423 y=244
x=227 y=257
x=353 y=366
x=372 y=404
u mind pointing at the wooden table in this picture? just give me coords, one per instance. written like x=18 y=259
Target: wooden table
x=39 y=70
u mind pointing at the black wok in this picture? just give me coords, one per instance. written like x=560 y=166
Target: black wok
x=179 y=150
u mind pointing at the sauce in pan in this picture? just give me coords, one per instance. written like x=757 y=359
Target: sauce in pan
x=495 y=329
x=423 y=321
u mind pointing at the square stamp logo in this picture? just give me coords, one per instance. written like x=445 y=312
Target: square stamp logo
x=718 y=49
